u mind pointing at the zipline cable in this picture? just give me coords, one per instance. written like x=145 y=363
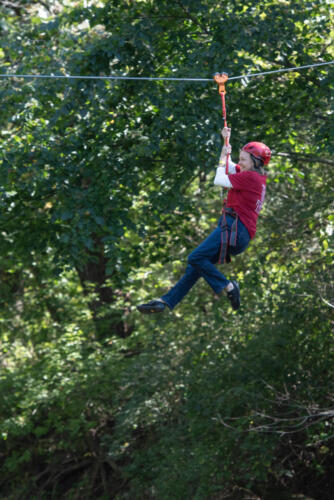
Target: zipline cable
x=158 y=78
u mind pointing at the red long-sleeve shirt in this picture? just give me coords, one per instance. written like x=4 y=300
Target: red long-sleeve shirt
x=246 y=197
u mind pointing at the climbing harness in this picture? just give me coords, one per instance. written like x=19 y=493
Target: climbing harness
x=226 y=239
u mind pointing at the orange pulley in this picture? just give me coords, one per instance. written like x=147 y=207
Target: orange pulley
x=221 y=79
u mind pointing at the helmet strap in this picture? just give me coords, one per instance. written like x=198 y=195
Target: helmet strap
x=258 y=164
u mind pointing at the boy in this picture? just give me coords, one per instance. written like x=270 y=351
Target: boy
x=246 y=182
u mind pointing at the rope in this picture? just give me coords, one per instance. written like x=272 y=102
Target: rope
x=225 y=125
x=226 y=140
x=158 y=78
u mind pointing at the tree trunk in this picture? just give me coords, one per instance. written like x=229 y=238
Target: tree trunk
x=93 y=277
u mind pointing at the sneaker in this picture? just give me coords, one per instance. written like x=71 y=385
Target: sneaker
x=234 y=296
x=154 y=306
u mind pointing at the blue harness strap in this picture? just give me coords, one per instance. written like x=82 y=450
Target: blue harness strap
x=226 y=241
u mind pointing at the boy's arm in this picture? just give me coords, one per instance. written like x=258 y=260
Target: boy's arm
x=221 y=178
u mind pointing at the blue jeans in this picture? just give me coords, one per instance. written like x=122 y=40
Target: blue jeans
x=201 y=263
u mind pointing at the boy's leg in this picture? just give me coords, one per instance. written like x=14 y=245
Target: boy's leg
x=203 y=259
x=174 y=295
x=201 y=263
x=182 y=287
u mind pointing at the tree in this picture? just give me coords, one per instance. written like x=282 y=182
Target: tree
x=68 y=157
x=104 y=183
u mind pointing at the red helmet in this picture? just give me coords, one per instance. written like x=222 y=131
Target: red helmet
x=259 y=150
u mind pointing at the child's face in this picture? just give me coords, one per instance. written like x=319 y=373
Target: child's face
x=245 y=161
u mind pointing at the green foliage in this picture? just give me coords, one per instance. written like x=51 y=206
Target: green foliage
x=106 y=186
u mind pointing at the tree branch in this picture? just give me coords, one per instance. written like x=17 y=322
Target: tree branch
x=305 y=157
x=326 y=302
